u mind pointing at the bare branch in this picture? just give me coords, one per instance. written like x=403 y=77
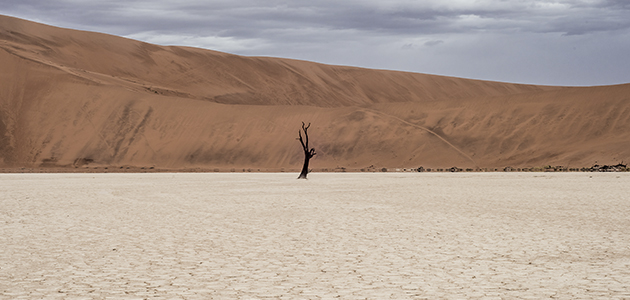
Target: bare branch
x=302 y=141
x=305 y=129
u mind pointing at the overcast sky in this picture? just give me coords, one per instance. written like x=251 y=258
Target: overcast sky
x=553 y=42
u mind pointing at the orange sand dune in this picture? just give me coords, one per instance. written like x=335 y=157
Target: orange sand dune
x=84 y=99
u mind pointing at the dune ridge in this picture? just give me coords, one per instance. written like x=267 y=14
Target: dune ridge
x=84 y=99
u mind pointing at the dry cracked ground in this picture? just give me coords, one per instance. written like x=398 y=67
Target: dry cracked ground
x=333 y=236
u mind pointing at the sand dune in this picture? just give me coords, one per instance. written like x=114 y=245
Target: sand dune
x=69 y=97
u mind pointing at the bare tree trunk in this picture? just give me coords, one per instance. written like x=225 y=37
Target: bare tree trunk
x=308 y=154
x=304 y=168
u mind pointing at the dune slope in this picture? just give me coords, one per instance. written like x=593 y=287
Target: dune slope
x=83 y=99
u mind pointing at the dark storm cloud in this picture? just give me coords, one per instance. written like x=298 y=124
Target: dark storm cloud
x=365 y=33
x=250 y=18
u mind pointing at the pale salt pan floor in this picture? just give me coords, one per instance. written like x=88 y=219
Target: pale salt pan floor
x=347 y=236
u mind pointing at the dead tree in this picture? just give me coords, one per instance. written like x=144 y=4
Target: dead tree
x=308 y=153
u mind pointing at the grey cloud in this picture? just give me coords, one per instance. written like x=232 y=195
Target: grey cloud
x=407 y=46
x=433 y=43
x=247 y=19
x=616 y=4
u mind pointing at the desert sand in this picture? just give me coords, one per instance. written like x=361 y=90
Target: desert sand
x=334 y=236
x=88 y=100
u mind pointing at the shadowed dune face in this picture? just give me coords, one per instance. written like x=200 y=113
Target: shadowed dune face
x=69 y=96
